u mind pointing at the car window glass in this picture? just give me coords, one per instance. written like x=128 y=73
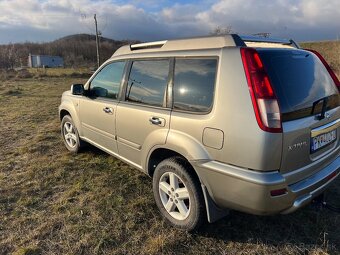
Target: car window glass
x=107 y=81
x=147 y=82
x=194 y=84
x=299 y=79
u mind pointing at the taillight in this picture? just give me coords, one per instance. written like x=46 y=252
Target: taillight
x=264 y=101
x=329 y=69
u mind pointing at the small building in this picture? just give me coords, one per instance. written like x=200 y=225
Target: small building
x=45 y=61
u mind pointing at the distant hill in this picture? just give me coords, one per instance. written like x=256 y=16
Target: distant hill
x=86 y=37
x=81 y=37
x=77 y=50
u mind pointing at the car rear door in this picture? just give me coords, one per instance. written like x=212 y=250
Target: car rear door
x=309 y=103
x=142 y=116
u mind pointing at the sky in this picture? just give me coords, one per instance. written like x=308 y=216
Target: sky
x=149 y=20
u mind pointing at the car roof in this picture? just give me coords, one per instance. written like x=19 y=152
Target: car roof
x=205 y=42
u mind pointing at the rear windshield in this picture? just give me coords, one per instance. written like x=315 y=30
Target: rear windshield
x=299 y=79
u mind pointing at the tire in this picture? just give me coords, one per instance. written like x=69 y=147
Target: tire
x=70 y=134
x=178 y=194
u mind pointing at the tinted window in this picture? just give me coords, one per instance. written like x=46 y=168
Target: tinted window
x=194 y=84
x=107 y=81
x=299 y=79
x=147 y=82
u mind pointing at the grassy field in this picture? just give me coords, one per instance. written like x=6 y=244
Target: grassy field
x=54 y=202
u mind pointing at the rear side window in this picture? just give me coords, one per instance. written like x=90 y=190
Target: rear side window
x=147 y=82
x=194 y=84
x=107 y=82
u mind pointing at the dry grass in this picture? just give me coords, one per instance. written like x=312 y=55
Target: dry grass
x=38 y=73
x=54 y=202
x=60 y=72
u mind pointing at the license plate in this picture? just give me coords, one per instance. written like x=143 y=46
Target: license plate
x=320 y=141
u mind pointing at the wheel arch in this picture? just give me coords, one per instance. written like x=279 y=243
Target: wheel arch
x=63 y=113
x=159 y=154
x=67 y=108
x=176 y=144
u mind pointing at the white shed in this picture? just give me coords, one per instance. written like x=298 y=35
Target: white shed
x=45 y=61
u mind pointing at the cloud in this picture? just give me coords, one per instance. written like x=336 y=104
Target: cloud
x=38 y=20
x=279 y=17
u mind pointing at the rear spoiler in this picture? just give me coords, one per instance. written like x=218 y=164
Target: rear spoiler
x=258 y=39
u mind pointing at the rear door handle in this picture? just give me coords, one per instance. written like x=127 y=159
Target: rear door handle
x=108 y=110
x=157 y=121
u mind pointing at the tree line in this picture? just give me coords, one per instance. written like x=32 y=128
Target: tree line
x=77 y=51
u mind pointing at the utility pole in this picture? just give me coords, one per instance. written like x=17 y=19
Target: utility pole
x=97 y=40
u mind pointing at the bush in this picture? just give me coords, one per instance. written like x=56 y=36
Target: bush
x=24 y=73
x=7 y=74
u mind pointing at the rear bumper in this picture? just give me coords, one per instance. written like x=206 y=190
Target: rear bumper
x=313 y=186
x=249 y=191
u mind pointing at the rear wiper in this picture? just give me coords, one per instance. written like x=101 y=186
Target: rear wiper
x=324 y=107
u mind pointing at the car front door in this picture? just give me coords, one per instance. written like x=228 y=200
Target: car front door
x=97 y=110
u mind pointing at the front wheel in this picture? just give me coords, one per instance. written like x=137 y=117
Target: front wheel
x=178 y=194
x=70 y=134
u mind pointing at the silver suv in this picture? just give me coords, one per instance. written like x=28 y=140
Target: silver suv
x=243 y=123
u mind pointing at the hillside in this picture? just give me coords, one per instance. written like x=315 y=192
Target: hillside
x=86 y=37
x=77 y=50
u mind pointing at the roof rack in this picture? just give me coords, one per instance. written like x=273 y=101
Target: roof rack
x=148 y=45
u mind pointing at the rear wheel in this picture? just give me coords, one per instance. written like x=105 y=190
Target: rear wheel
x=70 y=134
x=178 y=194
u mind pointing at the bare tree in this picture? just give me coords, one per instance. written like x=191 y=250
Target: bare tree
x=9 y=56
x=222 y=30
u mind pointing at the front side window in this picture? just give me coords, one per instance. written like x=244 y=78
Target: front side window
x=194 y=84
x=147 y=82
x=107 y=81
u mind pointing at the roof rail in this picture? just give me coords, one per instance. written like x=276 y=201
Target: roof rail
x=148 y=45
x=193 y=43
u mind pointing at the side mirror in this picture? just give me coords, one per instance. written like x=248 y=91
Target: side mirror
x=77 y=89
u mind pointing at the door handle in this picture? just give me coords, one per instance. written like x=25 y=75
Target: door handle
x=155 y=121
x=108 y=110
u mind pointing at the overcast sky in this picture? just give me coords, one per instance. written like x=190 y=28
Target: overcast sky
x=147 y=20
